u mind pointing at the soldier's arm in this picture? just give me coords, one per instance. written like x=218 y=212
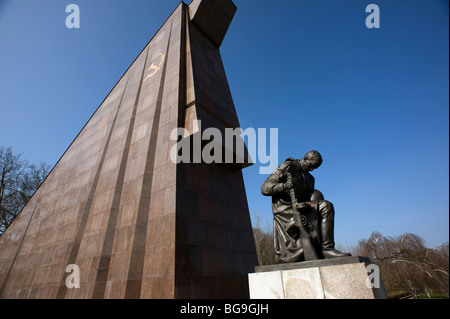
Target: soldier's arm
x=274 y=184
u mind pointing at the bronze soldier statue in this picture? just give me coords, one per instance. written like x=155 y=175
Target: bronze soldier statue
x=303 y=220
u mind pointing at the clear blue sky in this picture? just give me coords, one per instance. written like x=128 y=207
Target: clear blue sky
x=374 y=102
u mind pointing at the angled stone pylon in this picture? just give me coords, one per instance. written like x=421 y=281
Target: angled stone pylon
x=116 y=217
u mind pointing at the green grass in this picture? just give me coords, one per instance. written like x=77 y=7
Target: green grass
x=433 y=296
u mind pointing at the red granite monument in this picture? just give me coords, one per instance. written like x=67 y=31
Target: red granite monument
x=135 y=223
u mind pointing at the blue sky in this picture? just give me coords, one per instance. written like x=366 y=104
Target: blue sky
x=374 y=102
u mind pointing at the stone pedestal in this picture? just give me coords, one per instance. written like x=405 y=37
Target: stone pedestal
x=339 y=278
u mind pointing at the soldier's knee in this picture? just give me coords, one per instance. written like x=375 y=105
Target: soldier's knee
x=326 y=208
x=316 y=196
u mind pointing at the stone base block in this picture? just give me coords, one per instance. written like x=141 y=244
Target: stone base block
x=339 y=278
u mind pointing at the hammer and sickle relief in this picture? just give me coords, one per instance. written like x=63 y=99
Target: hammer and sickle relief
x=155 y=68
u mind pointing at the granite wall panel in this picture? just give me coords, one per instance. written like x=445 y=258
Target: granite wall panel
x=136 y=224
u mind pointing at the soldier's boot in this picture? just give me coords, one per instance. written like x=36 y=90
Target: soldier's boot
x=327 y=230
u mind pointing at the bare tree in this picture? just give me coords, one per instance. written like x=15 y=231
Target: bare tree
x=407 y=265
x=263 y=236
x=18 y=182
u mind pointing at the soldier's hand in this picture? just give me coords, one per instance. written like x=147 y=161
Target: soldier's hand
x=304 y=205
x=289 y=184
